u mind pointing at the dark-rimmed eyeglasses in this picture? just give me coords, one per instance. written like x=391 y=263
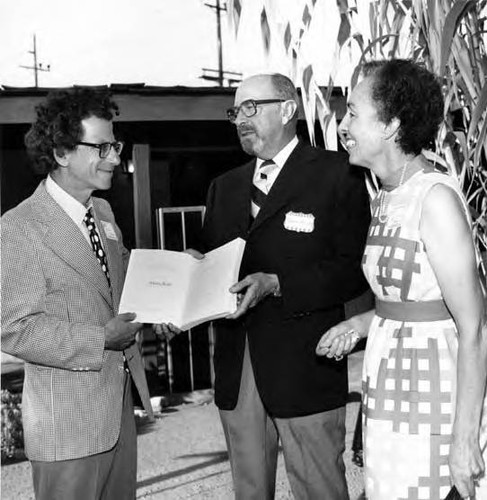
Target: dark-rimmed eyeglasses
x=105 y=147
x=249 y=107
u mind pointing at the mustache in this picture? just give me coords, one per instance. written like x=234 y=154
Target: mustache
x=242 y=128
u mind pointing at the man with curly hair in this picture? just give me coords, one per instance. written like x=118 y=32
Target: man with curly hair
x=63 y=264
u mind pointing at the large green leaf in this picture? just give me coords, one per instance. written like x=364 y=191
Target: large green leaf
x=344 y=30
x=460 y=7
x=446 y=36
x=481 y=144
x=478 y=111
x=369 y=49
x=462 y=61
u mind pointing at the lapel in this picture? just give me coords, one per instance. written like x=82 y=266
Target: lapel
x=65 y=239
x=112 y=251
x=241 y=196
x=289 y=183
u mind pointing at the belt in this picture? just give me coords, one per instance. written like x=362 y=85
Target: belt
x=429 y=310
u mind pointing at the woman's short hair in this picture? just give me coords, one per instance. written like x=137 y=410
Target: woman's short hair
x=58 y=123
x=405 y=90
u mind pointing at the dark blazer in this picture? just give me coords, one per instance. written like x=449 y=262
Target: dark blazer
x=318 y=271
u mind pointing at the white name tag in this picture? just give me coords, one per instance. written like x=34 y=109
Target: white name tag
x=109 y=231
x=299 y=222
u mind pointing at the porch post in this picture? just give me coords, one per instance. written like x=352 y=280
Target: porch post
x=142 y=199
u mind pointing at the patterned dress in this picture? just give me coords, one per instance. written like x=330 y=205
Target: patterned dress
x=409 y=374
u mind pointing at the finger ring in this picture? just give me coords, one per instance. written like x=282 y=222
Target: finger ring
x=338 y=358
x=355 y=336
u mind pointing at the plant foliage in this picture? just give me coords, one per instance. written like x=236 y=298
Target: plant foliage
x=447 y=36
x=12 y=432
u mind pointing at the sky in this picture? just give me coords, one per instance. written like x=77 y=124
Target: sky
x=157 y=42
x=160 y=42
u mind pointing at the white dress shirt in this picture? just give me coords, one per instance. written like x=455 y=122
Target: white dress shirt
x=280 y=159
x=70 y=205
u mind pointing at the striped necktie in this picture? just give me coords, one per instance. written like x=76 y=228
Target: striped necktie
x=261 y=186
x=100 y=255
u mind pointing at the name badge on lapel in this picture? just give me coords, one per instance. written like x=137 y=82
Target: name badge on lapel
x=109 y=231
x=299 y=222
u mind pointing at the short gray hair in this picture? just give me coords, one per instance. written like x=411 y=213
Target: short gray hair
x=284 y=87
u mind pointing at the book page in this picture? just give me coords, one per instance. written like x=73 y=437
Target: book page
x=155 y=286
x=162 y=286
x=211 y=278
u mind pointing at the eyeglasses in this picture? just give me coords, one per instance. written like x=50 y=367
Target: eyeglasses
x=105 y=147
x=249 y=108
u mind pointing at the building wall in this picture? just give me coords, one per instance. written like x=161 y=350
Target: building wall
x=184 y=158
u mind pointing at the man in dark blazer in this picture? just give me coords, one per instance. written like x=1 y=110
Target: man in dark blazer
x=59 y=308
x=305 y=221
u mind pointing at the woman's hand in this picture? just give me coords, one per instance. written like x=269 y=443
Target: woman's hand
x=466 y=465
x=342 y=338
x=338 y=341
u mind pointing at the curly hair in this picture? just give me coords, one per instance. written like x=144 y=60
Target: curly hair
x=405 y=90
x=58 y=123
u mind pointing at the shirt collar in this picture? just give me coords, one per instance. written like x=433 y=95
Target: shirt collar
x=70 y=205
x=281 y=157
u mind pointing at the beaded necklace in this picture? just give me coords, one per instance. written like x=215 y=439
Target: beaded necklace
x=382 y=216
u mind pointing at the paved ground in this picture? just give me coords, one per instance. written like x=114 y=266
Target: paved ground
x=183 y=455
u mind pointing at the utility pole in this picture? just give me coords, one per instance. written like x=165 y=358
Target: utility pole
x=218 y=10
x=220 y=75
x=36 y=67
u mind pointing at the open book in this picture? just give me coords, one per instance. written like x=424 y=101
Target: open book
x=162 y=286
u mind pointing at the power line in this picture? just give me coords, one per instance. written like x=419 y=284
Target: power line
x=37 y=67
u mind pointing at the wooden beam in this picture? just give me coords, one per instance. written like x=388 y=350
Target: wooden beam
x=191 y=106
x=138 y=108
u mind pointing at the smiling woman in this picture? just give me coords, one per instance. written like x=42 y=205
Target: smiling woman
x=425 y=360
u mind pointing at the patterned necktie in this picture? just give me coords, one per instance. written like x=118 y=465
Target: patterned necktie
x=261 y=187
x=100 y=255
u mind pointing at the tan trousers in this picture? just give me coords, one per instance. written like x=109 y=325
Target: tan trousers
x=312 y=445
